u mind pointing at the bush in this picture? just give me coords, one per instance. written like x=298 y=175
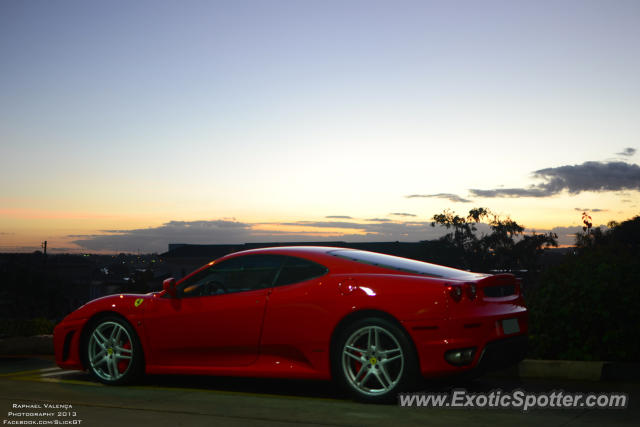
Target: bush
x=26 y=327
x=586 y=308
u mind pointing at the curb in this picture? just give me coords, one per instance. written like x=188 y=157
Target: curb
x=573 y=370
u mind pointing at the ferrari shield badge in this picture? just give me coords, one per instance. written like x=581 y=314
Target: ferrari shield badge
x=138 y=302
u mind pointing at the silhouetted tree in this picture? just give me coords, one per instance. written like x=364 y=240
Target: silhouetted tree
x=505 y=247
x=462 y=240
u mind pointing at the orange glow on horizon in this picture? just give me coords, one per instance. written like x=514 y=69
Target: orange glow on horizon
x=304 y=229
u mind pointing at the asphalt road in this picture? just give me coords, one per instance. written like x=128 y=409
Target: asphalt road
x=28 y=386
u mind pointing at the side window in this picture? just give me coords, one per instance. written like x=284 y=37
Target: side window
x=245 y=273
x=298 y=270
x=258 y=272
x=212 y=280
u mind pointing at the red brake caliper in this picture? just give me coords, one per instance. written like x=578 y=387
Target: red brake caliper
x=357 y=365
x=122 y=364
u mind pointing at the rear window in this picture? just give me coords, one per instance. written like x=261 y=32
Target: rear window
x=405 y=265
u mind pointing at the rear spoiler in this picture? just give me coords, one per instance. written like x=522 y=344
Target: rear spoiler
x=499 y=285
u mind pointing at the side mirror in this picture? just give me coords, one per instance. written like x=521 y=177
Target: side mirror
x=169 y=286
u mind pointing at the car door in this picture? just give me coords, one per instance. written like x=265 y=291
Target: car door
x=216 y=318
x=298 y=311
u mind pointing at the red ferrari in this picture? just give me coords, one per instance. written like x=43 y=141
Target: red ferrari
x=374 y=323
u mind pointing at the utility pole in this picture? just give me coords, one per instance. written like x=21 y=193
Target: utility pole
x=44 y=246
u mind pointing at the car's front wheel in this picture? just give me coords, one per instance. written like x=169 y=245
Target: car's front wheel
x=113 y=351
x=374 y=360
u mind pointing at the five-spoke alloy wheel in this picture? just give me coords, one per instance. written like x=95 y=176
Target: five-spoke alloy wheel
x=374 y=360
x=113 y=352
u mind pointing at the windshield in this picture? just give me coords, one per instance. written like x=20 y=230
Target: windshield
x=406 y=265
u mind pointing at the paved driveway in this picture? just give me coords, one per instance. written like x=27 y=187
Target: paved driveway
x=37 y=387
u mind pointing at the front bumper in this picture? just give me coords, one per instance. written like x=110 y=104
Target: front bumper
x=66 y=343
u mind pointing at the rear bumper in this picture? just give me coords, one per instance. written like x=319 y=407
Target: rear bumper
x=493 y=347
x=502 y=353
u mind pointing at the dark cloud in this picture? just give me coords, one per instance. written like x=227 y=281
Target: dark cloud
x=589 y=176
x=339 y=216
x=157 y=239
x=590 y=210
x=378 y=219
x=449 y=196
x=627 y=152
x=510 y=192
x=401 y=214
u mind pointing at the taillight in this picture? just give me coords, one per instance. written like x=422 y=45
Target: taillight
x=458 y=291
x=455 y=292
x=472 y=291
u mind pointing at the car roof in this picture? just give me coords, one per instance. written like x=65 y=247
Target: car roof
x=325 y=253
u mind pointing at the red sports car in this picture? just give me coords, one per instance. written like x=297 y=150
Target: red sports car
x=374 y=323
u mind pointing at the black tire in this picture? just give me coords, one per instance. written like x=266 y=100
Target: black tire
x=112 y=351
x=373 y=359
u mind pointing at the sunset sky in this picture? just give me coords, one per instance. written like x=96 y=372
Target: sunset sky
x=125 y=126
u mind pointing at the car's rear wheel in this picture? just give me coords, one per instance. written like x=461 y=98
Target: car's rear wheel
x=113 y=351
x=374 y=360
